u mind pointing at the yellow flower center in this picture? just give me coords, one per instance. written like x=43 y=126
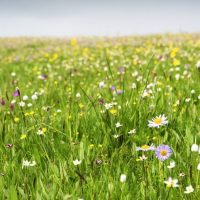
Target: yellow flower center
x=163 y=152
x=145 y=147
x=157 y=120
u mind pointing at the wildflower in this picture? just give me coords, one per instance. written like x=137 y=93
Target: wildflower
x=171 y=182
x=91 y=146
x=13 y=74
x=122 y=178
x=116 y=136
x=16 y=92
x=13 y=101
x=16 y=119
x=112 y=87
x=42 y=131
x=142 y=158
x=99 y=161
x=198 y=167
x=161 y=120
x=34 y=97
x=133 y=86
x=177 y=77
x=195 y=148
x=101 y=84
x=27 y=163
x=187 y=100
x=23 y=136
x=74 y=42
x=108 y=106
x=117 y=125
x=77 y=162
x=176 y=62
x=198 y=65
x=29 y=104
x=163 y=152
x=2 y=102
x=171 y=165
x=181 y=174
x=9 y=145
x=133 y=131
x=119 y=92
x=145 y=148
x=189 y=189
x=25 y=97
x=78 y=95
x=22 y=104
x=12 y=106
x=113 y=111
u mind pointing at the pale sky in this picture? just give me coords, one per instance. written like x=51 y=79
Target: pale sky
x=102 y=17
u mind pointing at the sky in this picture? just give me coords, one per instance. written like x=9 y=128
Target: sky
x=97 y=17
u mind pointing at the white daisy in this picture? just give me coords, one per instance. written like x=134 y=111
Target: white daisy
x=101 y=84
x=171 y=165
x=29 y=104
x=117 y=125
x=198 y=167
x=122 y=178
x=171 y=182
x=22 y=104
x=27 y=163
x=132 y=131
x=34 y=97
x=189 y=189
x=142 y=158
x=25 y=98
x=78 y=95
x=198 y=65
x=195 y=148
x=77 y=162
x=161 y=120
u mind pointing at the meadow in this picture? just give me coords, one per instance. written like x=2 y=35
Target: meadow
x=100 y=118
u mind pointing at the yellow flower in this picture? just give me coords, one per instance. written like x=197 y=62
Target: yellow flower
x=176 y=62
x=174 y=52
x=74 y=42
x=81 y=105
x=23 y=136
x=113 y=111
x=44 y=130
x=46 y=55
x=91 y=146
x=16 y=119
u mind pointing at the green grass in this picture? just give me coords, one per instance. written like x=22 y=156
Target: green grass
x=85 y=130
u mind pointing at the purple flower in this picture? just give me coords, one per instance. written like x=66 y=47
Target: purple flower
x=119 y=91
x=16 y=93
x=2 y=102
x=112 y=87
x=9 y=145
x=122 y=70
x=12 y=106
x=163 y=152
x=43 y=77
x=101 y=101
